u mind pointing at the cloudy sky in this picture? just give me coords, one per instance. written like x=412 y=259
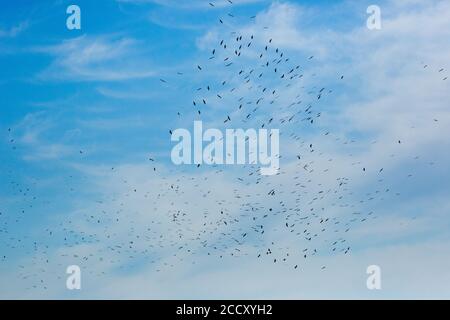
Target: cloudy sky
x=87 y=179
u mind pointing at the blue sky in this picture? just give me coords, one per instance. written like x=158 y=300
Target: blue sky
x=83 y=111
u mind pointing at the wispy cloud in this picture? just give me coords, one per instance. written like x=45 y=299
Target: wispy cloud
x=194 y=4
x=96 y=59
x=14 y=31
x=31 y=136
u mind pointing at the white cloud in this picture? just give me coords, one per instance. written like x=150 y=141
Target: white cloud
x=194 y=4
x=13 y=31
x=96 y=59
x=30 y=135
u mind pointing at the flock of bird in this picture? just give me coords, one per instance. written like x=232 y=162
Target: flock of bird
x=178 y=214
